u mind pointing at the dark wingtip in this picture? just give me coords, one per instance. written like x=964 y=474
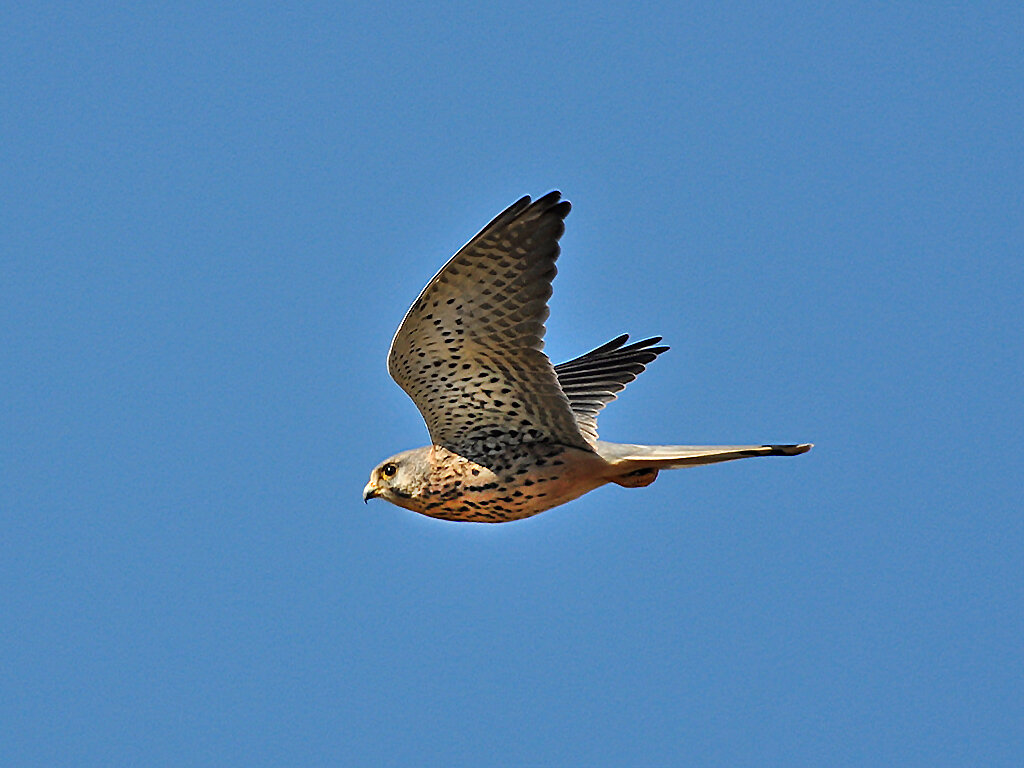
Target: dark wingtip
x=647 y=345
x=549 y=203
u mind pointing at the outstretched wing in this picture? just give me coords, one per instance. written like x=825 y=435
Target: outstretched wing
x=469 y=350
x=593 y=380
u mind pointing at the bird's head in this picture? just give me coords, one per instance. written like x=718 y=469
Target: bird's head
x=400 y=478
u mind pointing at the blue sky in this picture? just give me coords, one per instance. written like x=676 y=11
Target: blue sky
x=213 y=217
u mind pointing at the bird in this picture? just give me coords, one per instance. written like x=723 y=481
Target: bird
x=513 y=435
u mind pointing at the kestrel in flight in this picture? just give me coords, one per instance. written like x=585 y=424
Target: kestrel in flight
x=513 y=435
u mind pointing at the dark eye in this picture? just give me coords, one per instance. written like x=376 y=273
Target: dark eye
x=388 y=470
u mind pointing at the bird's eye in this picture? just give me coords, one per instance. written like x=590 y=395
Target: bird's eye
x=388 y=470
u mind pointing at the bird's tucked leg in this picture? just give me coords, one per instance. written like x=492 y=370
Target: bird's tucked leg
x=637 y=478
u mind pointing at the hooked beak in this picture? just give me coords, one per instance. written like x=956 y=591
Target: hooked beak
x=370 y=492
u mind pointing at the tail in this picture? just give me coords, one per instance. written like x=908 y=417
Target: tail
x=637 y=465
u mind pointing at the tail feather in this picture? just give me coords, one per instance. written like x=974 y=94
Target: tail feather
x=635 y=457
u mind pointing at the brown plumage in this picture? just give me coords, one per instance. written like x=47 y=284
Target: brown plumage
x=512 y=435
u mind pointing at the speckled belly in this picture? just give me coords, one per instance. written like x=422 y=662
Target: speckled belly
x=514 y=485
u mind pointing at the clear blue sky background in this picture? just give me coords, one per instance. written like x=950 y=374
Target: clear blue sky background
x=213 y=217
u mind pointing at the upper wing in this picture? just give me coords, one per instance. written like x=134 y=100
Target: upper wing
x=591 y=381
x=469 y=350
